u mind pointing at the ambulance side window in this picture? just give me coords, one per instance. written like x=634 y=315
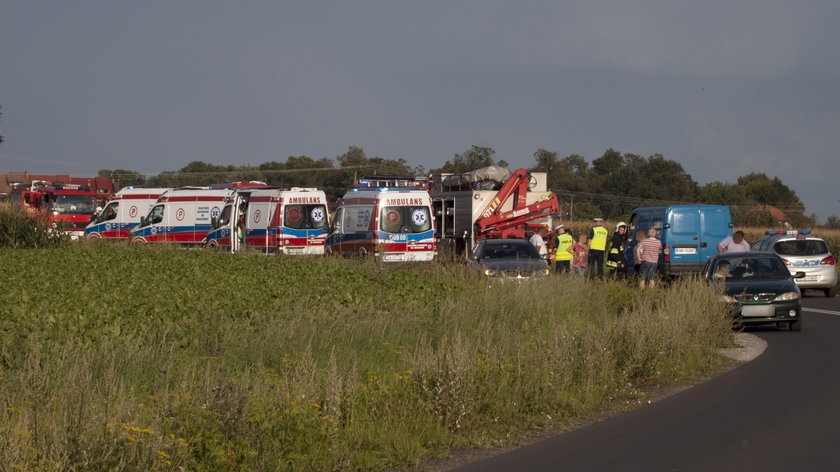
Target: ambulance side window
x=337 y=219
x=224 y=218
x=109 y=213
x=155 y=215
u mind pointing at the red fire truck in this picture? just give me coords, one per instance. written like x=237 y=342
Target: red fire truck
x=66 y=207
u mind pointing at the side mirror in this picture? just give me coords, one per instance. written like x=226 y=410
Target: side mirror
x=799 y=275
x=142 y=221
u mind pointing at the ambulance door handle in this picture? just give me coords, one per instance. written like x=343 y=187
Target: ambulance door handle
x=704 y=244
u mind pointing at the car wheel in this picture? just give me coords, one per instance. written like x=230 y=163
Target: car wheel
x=831 y=292
x=795 y=325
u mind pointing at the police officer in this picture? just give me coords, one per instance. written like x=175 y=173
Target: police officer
x=562 y=242
x=597 y=245
x=615 y=259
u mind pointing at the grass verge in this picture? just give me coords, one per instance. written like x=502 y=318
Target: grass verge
x=122 y=358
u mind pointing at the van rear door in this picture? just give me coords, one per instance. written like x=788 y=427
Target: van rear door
x=716 y=224
x=683 y=237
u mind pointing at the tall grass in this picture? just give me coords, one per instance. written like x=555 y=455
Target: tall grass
x=133 y=359
x=22 y=230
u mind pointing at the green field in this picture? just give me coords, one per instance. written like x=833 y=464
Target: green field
x=123 y=358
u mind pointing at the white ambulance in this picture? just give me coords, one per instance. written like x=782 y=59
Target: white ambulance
x=395 y=224
x=180 y=215
x=272 y=220
x=123 y=212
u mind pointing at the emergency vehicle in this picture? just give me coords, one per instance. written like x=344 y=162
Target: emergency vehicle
x=67 y=208
x=123 y=212
x=273 y=220
x=490 y=203
x=392 y=223
x=181 y=215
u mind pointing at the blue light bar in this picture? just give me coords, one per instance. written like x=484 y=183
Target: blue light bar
x=789 y=232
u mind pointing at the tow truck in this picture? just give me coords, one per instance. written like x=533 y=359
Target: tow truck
x=489 y=203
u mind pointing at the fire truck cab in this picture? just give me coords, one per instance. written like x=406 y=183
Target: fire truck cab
x=67 y=208
x=181 y=215
x=392 y=223
x=123 y=212
x=273 y=220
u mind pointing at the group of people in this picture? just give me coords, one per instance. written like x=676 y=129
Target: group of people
x=587 y=254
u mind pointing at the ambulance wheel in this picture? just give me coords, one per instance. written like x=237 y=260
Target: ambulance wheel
x=831 y=292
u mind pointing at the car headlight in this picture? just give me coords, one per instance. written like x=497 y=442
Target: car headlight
x=489 y=272
x=787 y=296
x=728 y=299
x=546 y=271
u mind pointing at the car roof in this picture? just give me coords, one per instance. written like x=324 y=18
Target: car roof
x=745 y=254
x=507 y=241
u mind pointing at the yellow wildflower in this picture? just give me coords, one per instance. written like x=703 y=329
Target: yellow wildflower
x=130 y=438
x=163 y=454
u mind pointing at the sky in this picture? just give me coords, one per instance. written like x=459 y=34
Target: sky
x=723 y=87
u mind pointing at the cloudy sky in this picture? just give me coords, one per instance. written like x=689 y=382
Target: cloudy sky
x=723 y=87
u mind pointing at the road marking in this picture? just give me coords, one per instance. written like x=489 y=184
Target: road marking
x=825 y=312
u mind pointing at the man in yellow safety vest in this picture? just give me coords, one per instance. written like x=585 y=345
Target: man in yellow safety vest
x=562 y=242
x=597 y=245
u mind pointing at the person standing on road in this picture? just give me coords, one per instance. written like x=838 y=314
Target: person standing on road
x=580 y=253
x=562 y=257
x=538 y=241
x=734 y=243
x=597 y=245
x=615 y=260
x=647 y=251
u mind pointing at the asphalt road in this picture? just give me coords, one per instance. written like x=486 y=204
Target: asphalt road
x=779 y=412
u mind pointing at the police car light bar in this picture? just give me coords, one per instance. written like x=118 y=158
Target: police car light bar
x=771 y=233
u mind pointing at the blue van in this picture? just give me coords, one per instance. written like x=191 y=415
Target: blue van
x=689 y=234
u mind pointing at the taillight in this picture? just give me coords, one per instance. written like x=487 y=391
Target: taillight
x=666 y=252
x=787 y=262
x=827 y=261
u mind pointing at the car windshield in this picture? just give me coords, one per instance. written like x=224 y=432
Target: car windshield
x=74 y=204
x=405 y=219
x=496 y=250
x=801 y=247
x=742 y=268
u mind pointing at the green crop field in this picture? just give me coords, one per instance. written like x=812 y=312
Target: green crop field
x=124 y=358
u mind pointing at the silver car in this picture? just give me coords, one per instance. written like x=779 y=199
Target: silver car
x=802 y=252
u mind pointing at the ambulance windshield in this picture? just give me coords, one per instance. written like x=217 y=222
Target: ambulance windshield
x=74 y=204
x=305 y=216
x=405 y=219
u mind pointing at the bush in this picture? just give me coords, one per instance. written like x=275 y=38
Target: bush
x=23 y=231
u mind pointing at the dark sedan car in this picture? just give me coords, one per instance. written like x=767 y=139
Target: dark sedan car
x=508 y=258
x=759 y=288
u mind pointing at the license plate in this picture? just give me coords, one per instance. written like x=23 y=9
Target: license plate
x=811 y=278
x=757 y=310
x=685 y=250
x=294 y=250
x=392 y=257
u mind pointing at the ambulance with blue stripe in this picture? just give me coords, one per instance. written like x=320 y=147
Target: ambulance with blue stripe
x=291 y=221
x=180 y=216
x=394 y=224
x=123 y=212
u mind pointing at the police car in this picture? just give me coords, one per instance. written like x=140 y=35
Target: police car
x=802 y=252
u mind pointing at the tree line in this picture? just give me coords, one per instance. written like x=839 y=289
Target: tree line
x=609 y=186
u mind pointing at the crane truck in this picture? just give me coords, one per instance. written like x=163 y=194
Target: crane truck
x=489 y=203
